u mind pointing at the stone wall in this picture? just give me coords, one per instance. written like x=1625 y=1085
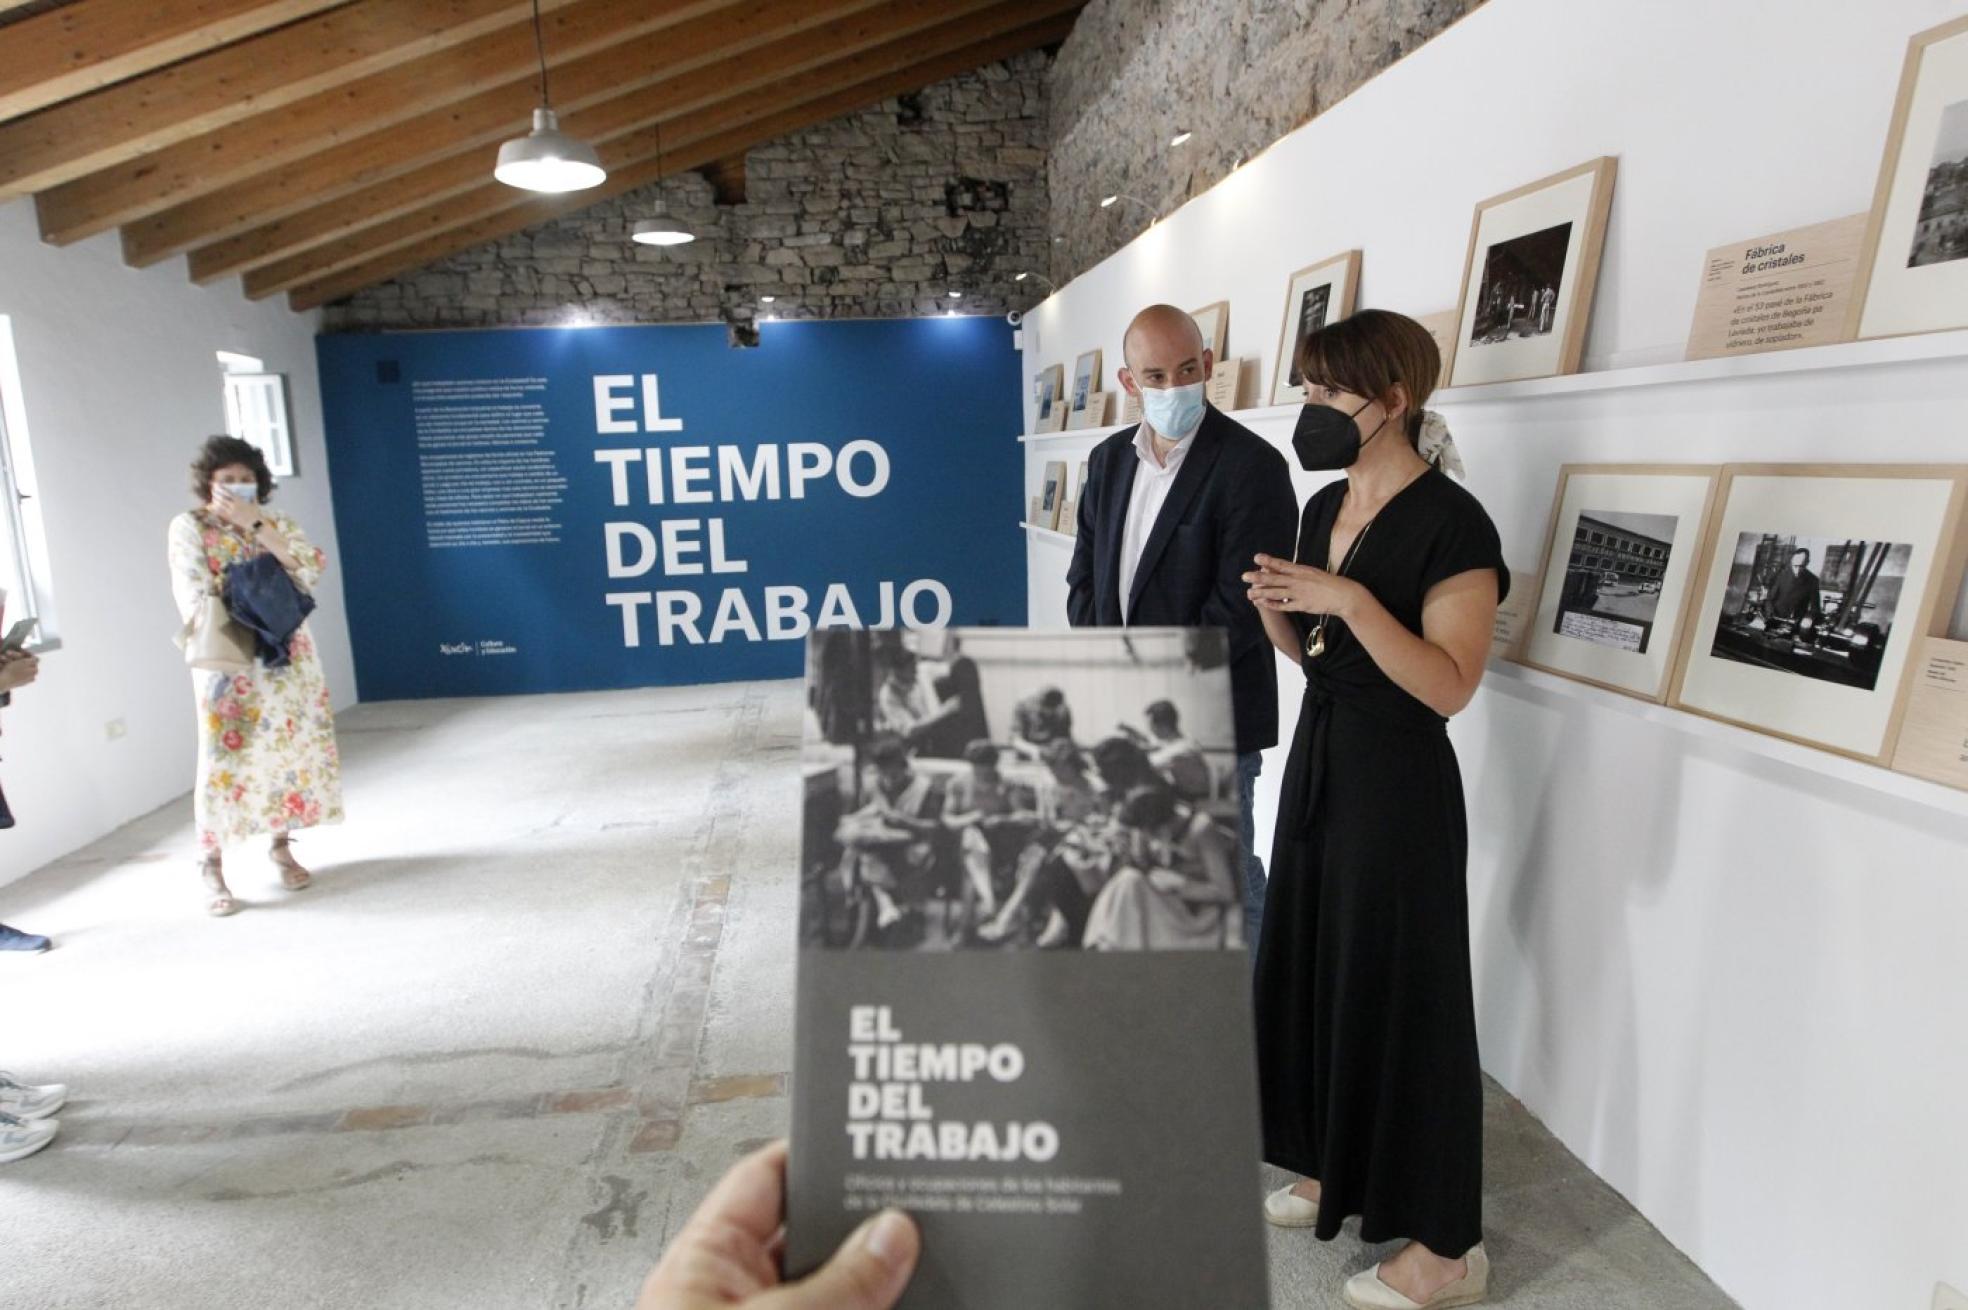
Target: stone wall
x=875 y=214
x=1238 y=76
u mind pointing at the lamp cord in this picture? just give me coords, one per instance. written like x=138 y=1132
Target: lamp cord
x=540 y=47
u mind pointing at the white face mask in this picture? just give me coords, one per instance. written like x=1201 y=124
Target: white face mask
x=248 y=492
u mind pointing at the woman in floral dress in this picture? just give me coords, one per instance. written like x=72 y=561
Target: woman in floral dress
x=267 y=762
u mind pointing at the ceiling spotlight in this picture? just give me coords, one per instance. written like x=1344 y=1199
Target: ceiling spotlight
x=766 y=300
x=1180 y=137
x=956 y=295
x=547 y=159
x=1107 y=201
x=661 y=231
x=1020 y=277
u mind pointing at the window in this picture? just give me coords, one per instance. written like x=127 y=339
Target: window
x=23 y=542
x=256 y=409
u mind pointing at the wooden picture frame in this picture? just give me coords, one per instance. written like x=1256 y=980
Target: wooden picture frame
x=1213 y=321
x=1442 y=325
x=1885 y=540
x=1050 y=385
x=1513 y=321
x=1614 y=593
x=1086 y=379
x=1052 y=493
x=1913 y=262
x=1338 y=279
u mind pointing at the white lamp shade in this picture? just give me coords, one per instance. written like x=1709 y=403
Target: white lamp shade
x=661 y=231
x=547 y=159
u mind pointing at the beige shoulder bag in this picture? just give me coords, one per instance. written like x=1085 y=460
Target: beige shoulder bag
x=213 y=641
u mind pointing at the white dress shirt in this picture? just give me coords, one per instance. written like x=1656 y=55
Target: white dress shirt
x=1151 y=488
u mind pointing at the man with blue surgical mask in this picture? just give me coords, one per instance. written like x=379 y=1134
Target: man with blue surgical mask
x=1173 y=511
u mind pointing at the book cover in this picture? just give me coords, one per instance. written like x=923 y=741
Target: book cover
x=1023 y=1007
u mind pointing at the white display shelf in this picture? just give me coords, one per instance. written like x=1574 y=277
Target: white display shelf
x=1904 y=786
x=1047 y=534
x=1772 y=363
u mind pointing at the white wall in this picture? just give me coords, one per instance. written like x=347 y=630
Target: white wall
x=120 y=384
x=1733 y=985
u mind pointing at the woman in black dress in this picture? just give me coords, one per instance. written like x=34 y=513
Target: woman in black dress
x=1366 y=1021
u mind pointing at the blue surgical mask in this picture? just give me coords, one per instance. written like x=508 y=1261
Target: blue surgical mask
x=246 y=491
x=1174 y=412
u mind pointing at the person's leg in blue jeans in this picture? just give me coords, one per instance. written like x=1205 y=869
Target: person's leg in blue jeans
x=1248 y=767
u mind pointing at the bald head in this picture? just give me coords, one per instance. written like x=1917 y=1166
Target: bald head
x=1163 y=347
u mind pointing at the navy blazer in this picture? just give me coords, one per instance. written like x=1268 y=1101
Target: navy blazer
x=1231 y=499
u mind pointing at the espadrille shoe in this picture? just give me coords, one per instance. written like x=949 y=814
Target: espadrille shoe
x=1365 y=1291
x=1285 y=1210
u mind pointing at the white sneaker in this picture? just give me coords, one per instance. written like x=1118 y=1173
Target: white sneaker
x=23 y=1137
x=1284 y=1209
x=26 y=1101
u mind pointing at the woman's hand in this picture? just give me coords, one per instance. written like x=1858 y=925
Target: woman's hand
x=1280 y=585
x=240 y=513
x=728 y=1254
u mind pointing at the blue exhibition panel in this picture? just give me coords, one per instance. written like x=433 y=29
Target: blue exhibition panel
x=559 y=509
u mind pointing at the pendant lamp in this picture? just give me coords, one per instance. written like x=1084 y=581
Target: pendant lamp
x=547 y=159
x=661 y=230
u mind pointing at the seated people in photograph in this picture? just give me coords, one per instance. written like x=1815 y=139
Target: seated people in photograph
x=1173 y=755
x=891 y=837
x=1175 y=887
x=1066 y=862
x=1123 y=765
x=1792 y=596
x=1039 y=720
x=958 y=718
x=900 y=705
x=994 y=820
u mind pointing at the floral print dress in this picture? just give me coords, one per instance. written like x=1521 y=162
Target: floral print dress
x=267 y=761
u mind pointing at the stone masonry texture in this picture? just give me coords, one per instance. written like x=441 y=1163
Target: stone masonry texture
x=1238 y=74
x=875 y=214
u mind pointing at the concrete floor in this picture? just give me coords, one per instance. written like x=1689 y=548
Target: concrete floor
x=539 y=997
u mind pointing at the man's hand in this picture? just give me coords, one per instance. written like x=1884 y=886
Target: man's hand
x=728 y=1253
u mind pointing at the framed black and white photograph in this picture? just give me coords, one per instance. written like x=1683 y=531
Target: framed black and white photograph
x=1614 y=590
x=1811 y=606
x=1086 y=378
x=1816 y=584
x=1316 y=295
x=1048 y=394
x=1528 y=278
x=1913 y=267
x=999 y=789
x=1518 y=294
x=1052 y=493
x=1213 y=321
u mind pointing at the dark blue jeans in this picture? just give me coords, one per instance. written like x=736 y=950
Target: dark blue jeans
x=1248 y=767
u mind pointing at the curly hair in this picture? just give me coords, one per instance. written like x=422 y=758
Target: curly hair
x=223 y=452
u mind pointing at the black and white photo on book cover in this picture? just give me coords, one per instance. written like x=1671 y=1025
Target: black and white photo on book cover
x=1817 y=607
x=1019 y=917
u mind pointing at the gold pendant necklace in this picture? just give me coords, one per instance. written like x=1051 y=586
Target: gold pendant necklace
x=1315 y=644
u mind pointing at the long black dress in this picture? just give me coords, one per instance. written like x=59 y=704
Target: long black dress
x=1366 y=1021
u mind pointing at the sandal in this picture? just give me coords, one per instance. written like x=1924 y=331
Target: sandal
x=292 y=876
x=211 y=871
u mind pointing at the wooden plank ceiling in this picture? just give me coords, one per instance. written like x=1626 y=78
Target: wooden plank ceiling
x=315 y=147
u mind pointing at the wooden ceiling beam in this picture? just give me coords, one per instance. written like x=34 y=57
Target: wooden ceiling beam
x=705 y=85
x=846 y=100
x=627 y=132
x=118 y=123
x=345 y=170
x=237 y=152
x=67 y=52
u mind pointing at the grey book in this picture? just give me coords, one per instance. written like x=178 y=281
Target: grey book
x=1024 y=992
